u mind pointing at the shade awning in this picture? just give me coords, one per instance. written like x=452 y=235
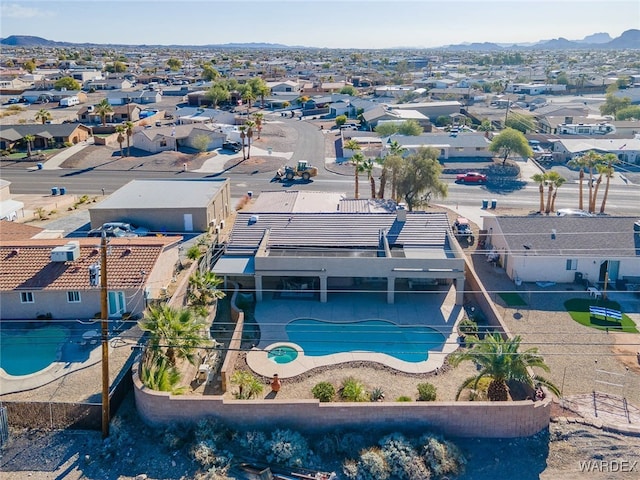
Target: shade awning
x=236 y=265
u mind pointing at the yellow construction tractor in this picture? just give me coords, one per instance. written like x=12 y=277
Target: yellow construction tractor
x=302 y=169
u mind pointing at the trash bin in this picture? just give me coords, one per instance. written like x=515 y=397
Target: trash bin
x=63 y=190
x=485 y=203
x=577 y=277
x=39 y=165
x=54 y=190
x=494 y=202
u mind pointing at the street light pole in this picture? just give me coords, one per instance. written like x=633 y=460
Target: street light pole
x=104 y=313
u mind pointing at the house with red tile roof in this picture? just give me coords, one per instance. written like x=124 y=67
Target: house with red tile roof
x=60 y=278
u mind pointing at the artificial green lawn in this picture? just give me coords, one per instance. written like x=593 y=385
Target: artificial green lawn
x=578 y=308
x=512 y=299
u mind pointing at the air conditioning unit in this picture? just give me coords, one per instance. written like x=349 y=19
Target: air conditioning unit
x=67 y=253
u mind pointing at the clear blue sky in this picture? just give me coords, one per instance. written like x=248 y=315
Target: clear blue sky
x=316 y=23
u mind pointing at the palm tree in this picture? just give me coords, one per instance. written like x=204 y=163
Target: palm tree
x=129 y=131
x=367 y=166
x=540 y=179
x=174 y=333
x=158 y=374
x=591 y=160
x=203 y=291
x=43 y=116
x=103 y=109
x=258 y=118
x=394 y=163
x=29 y=139
x=395 y=149
x=249 y=124
x=120 y=129
x=606 y=170
x=580 y=163
x=248 y=385
x=499 y=359
x=357 y=159
x=555 y=181
x=243 y=135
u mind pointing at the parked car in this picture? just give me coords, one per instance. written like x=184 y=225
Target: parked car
x=119 y=229
x=462 y=230
x=233 y=146
x=349 y=126
x=471 y=177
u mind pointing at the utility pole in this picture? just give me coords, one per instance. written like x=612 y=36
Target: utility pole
x=104 y=314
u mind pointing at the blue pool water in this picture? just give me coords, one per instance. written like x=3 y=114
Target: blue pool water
x=408 y=343
x=25 y=352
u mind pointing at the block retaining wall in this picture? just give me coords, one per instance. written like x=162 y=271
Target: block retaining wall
x=463 y=419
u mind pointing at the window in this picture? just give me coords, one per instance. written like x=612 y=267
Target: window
x=572 y=264
x=163 y=143
x=26 y=297
x=73 y=297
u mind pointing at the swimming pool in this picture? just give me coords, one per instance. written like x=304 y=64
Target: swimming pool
x=407 y=343
x=29 y=351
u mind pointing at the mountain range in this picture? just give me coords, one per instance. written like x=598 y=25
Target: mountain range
x=629 y=39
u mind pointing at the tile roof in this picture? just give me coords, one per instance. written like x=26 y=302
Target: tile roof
x=26 y=264
x=17 y=231
x=578 y=236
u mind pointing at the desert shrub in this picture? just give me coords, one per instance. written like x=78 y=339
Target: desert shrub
x=480 y=393
x=253 y=443
x=350 y=469
x=323 y=391
x=403 y=459
x=175 y=436
x=372 y=465
x=404 y=398
x=468 y=327
x=340 y=120
x=377 y=395
x=441 y=456
x=287 y=447
x=350 y=443
x=426 y=392
x=212 y=429
x=353 y=390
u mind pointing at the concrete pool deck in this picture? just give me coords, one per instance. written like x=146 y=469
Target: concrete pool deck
x=435 y=309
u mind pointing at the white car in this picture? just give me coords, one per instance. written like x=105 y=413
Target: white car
x=573 y=212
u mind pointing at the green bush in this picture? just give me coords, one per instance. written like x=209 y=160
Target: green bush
x=404 y=398
x=341 y=120
x=353 y=390
x=194 y=252
x=468 y=327
x=324 y=392
x=426 y=392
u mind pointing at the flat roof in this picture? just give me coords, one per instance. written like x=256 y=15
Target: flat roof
x=164 y=193
x=240 y=265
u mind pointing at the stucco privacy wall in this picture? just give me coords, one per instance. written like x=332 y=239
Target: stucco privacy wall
x=463 y=419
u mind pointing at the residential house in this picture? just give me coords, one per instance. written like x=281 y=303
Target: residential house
x=186 y=115
x=287 y=86
x=120 y=97
x=383 y=113
x=318 y=255
x=160 y=139
x=185 y=206
x=564 y=249
x=461 y=145
x=626 y=149
x=46 y=135
x=58 y=278
x=110 y=83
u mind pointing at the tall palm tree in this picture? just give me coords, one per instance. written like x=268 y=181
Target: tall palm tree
x=395 y=149
x=129 y=132
x=174 y=333
x=555 y=181
x=357 y=159
x=43 y=116
x=394 y=163
x=103 y=109
x=499 y=359
x=243 y=135
x=607 y=171
x=580 y=163
x=120 y=129
x=540 y=179
x=591 y=160
x=367 y=166
x=355 y=147
x=250 y=124
x=29 y=140
x=258 y=118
